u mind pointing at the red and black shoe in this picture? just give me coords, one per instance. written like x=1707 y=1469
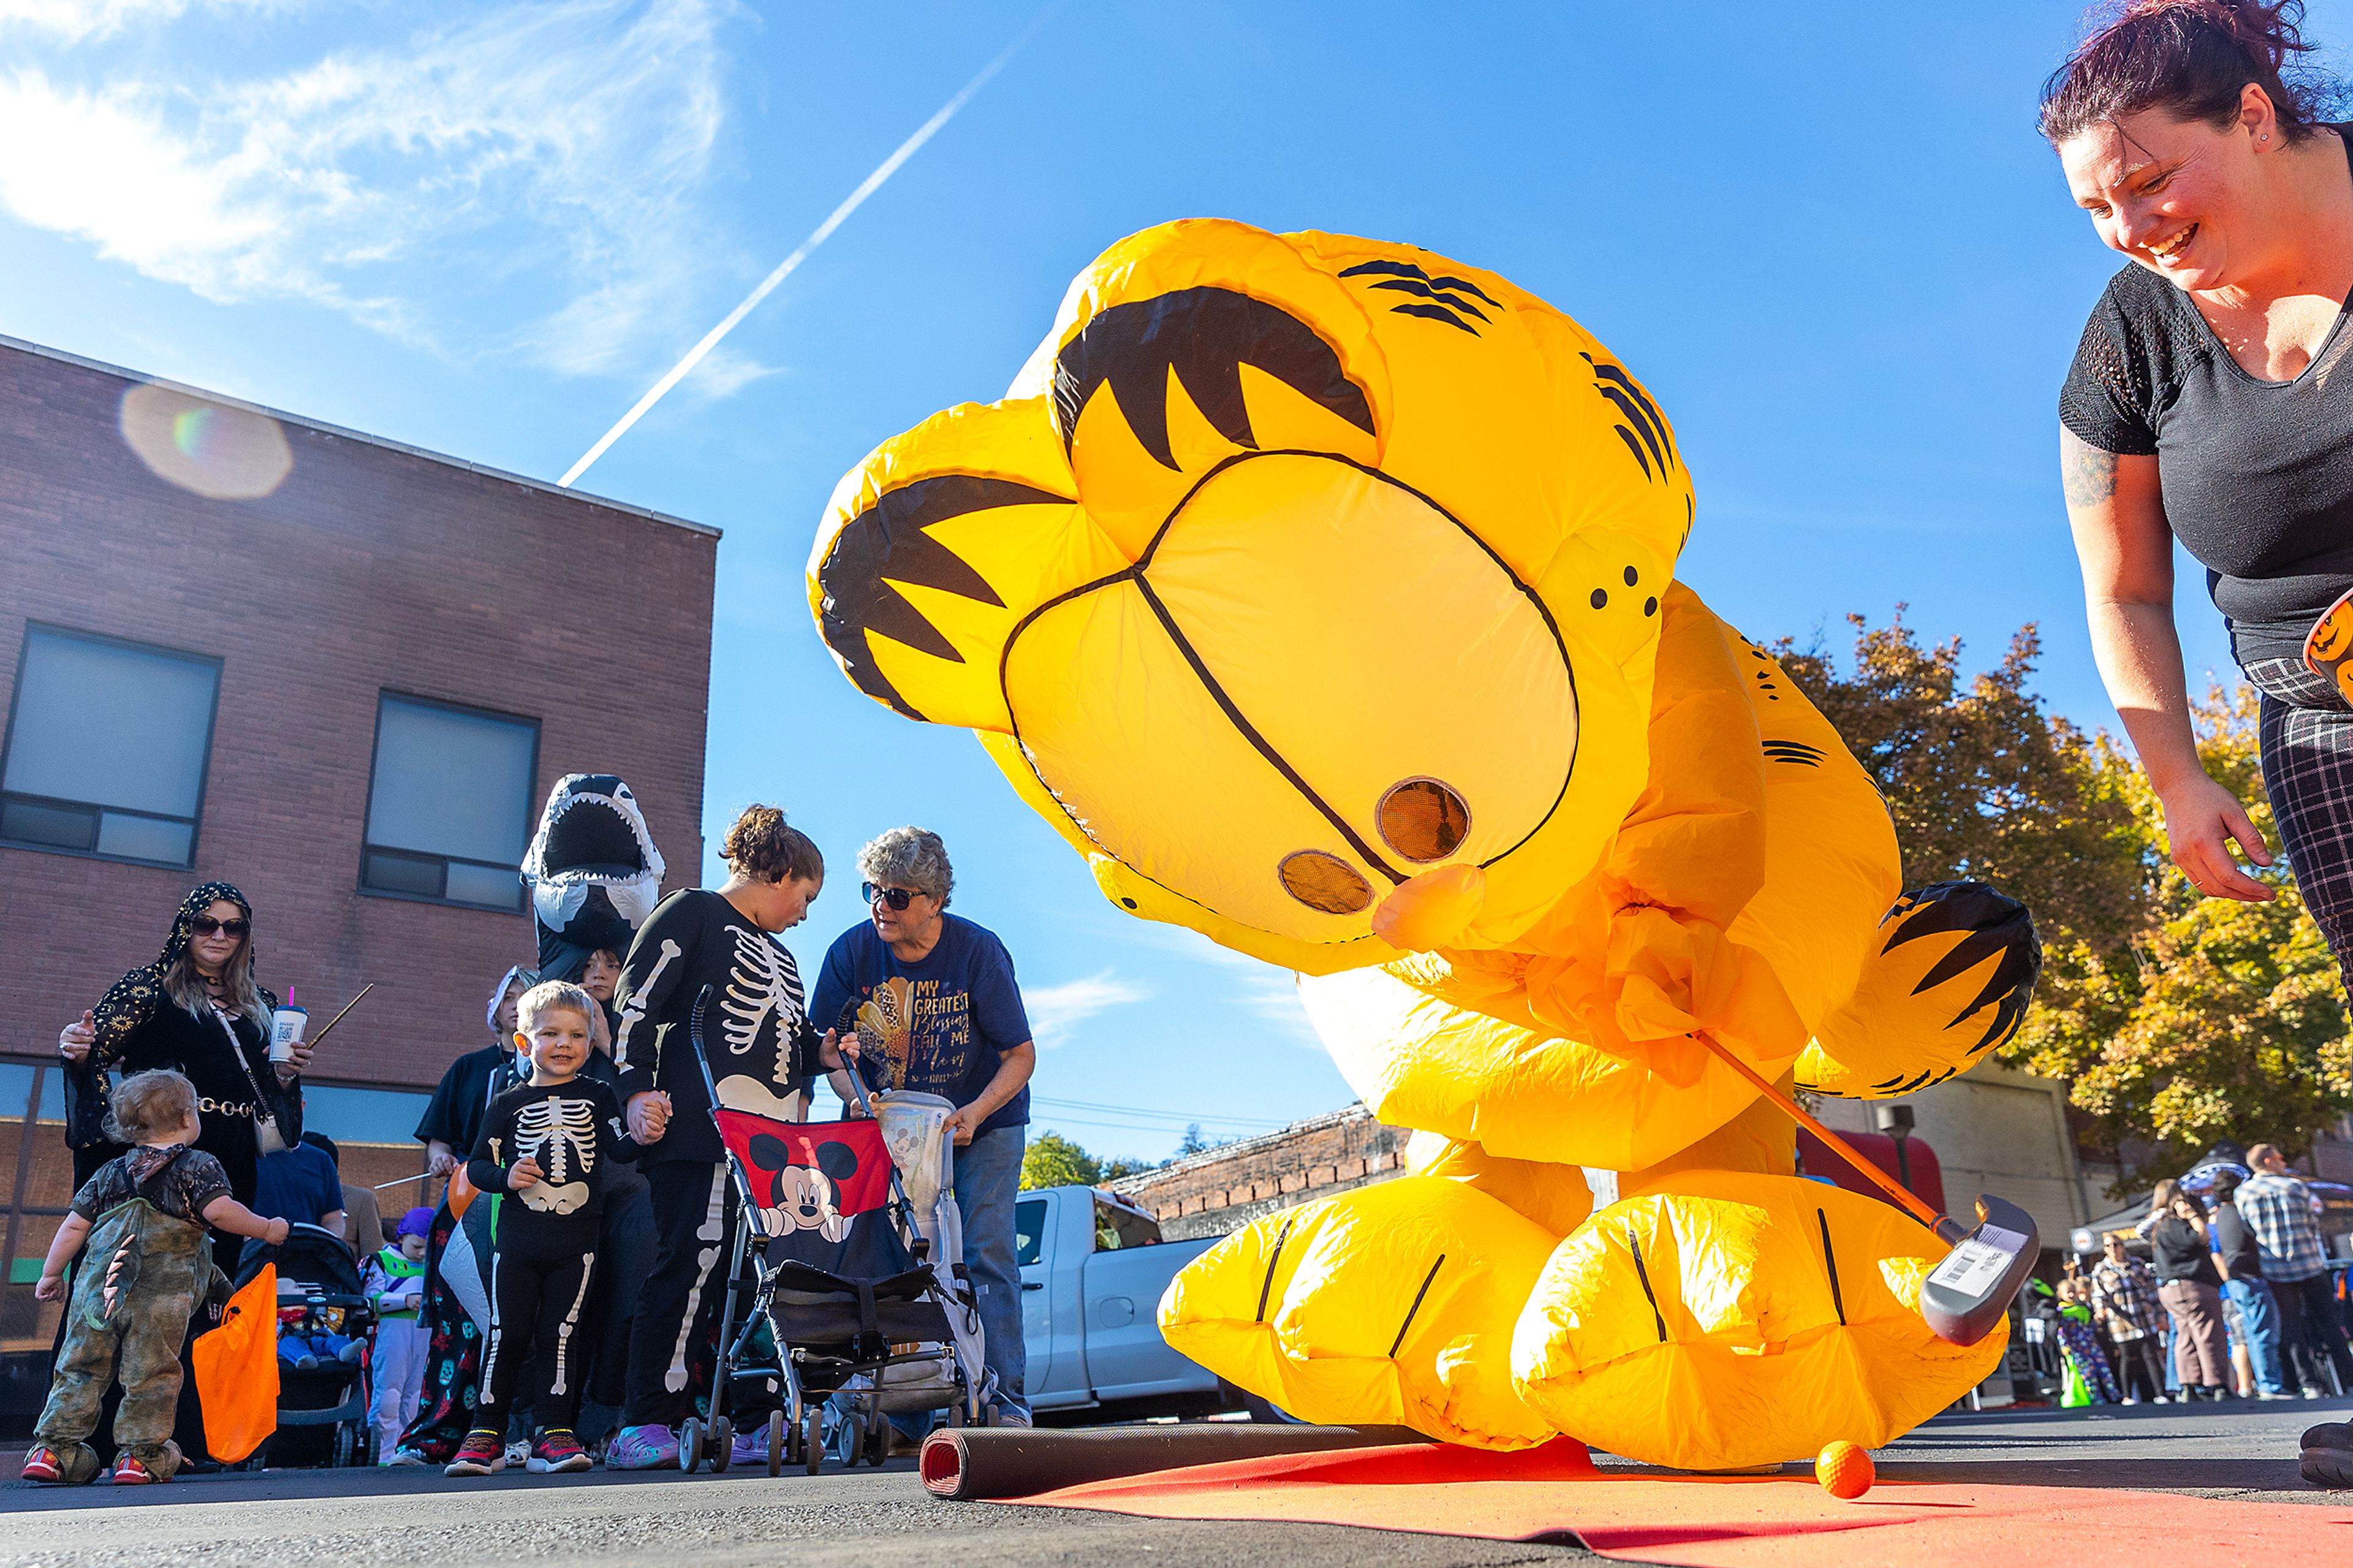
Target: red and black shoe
x=482 y=1454
x=45 y=1464
x=131 y=1471
x=557 y=1451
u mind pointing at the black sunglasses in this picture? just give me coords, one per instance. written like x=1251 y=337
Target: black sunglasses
x=897 y=898
x=204 y=925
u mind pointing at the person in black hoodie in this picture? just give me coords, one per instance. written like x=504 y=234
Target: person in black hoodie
x=762 y=1052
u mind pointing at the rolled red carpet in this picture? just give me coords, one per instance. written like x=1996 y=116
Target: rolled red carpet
x=968 y=1463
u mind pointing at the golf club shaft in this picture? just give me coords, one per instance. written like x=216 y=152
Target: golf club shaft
x=1839 y=1145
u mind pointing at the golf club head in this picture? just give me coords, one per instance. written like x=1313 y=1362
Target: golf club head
x=1970 y=1291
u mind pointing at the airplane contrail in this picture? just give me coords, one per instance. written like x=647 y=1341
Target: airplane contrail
x=834 y=220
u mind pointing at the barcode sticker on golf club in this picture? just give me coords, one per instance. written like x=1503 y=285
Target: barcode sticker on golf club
x=1979 y=1260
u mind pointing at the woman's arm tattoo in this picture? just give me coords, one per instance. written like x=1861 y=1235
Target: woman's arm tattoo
x=2088 y=473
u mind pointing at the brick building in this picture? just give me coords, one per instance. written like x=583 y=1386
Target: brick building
x=1223 y=1189
x=338 y=672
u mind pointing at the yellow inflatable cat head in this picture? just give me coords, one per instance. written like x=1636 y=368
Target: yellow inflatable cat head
x=1293 y=570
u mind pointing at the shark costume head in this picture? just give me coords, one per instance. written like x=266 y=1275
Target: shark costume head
x=593 y=872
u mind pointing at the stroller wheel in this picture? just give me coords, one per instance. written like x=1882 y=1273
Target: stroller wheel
x=776 y=1443
x=813 y=1438
x=956 y=1410
x=722 y=1443
x=853 y=1439
x=988 y=1415
x=690 y=1445
x=878 y=1441
x=343 y=1445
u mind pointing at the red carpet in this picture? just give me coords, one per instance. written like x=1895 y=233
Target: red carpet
x=1771 y=1521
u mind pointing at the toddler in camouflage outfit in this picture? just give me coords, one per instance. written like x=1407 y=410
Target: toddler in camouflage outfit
x=143 y=1216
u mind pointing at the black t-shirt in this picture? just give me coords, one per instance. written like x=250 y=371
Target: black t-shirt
x=2257 y=476
x=573 y=1129
x=2236 y=1243
x=756 y=1035
x=463 y=1097
x=2181 y=1251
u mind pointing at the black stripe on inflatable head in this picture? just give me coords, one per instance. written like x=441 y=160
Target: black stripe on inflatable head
x=1206 y=335
x=888 y=543
x=1997 y=924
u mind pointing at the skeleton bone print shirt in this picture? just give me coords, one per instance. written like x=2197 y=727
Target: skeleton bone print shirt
x=571 y=1128
x=756 y=1032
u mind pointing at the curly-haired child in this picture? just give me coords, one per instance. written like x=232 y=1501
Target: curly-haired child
x=143 y=1216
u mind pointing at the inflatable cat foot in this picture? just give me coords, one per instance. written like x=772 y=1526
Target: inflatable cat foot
x=1724 y=1320
x=1390 y=1305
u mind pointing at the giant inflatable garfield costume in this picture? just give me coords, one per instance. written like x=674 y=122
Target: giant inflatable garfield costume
x=1321 y=591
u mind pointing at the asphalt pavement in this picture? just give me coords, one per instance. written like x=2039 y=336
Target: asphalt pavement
x=883 y=1519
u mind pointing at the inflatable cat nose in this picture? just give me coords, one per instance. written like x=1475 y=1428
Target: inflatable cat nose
x=1431 y=910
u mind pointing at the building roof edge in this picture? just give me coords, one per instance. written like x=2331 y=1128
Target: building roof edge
x=43 y=352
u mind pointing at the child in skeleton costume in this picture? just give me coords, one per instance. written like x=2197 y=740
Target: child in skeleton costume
x=143 y=1216
x=761 y=1051
x=545 y=1148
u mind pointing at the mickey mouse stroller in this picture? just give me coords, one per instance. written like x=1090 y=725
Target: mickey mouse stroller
x=855 y=1291
x=323 y=1410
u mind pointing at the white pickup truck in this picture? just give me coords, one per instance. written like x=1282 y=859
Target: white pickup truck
x=1092 y=1270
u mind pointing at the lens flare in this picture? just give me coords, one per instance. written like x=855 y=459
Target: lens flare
x=208 y=449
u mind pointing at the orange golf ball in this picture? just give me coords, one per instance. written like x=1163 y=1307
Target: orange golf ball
x=1844 y=1470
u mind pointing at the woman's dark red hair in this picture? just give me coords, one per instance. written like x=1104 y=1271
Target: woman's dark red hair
x=2192 y=60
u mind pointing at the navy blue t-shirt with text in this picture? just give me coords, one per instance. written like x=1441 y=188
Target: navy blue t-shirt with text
x=951 y=1018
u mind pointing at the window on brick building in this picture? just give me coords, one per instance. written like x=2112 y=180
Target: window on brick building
x=107 y=747
x=450 y=803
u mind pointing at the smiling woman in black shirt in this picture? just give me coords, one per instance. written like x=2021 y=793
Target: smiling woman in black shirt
x=2208 y=404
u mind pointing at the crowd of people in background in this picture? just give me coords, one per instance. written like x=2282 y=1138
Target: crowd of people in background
x=593 y=1331
x=2235 y=1301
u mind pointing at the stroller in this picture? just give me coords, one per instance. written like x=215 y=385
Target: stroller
x=323 y=1411
x=855 y=1291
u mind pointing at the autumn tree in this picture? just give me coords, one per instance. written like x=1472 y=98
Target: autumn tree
x=2220 y=1020
x=1983 y=783
x=2174 y=1020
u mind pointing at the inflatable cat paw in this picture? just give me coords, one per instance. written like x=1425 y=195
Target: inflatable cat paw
x=1320 y=592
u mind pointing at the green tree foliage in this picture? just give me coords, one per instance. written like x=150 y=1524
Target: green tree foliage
x=2220 y=1020
x=2175 y=1020
x=1053 y=1161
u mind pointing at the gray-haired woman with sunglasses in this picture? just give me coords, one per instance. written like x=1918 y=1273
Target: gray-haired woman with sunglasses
x=198 y=1011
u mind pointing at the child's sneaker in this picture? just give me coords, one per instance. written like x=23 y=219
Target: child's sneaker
x=45 y=1464
x=482 y=1454
x=652 y=1446
x=751 y=1446
x=405 y=1456
x=130 y=1470
x=556 y=1452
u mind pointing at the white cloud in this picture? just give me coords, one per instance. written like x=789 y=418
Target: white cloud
x=1054 y=1010
x=722 y=373
x=552 y=152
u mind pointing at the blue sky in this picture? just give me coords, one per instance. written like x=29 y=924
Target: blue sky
x=1825 y=236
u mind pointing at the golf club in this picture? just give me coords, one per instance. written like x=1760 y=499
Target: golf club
x=1970 y=1291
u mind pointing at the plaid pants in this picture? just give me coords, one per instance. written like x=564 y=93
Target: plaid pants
x=2307 y=734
